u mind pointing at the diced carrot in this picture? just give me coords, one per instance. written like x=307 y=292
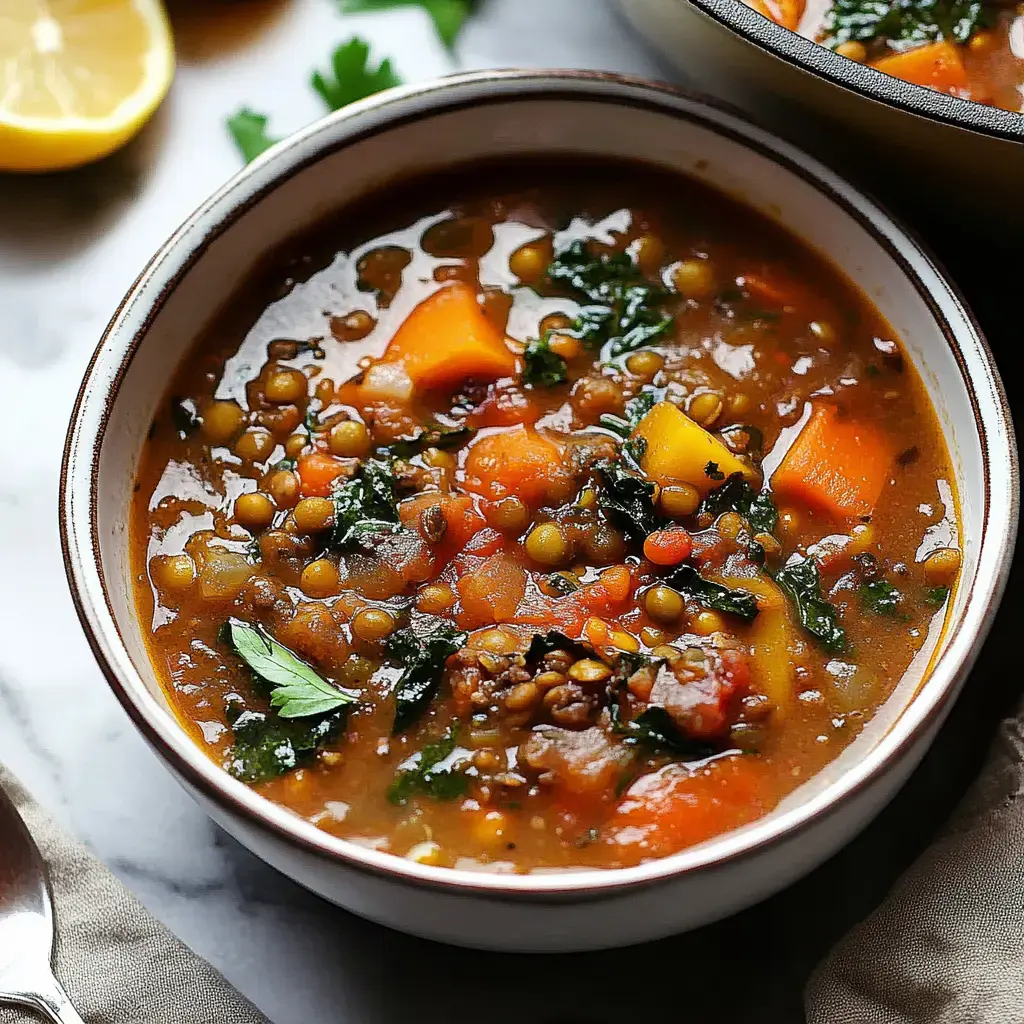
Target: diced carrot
x=668 y=547
x=673 y=808
x=837 y=465
x=517 y=462
x=317 y=473
x=783 y=12
x=447 y=339
x=935 y=66
x=492 y=591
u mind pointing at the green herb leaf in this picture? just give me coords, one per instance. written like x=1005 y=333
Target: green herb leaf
x=687 y=580
x=620 y=306
x=906 y=22
x=448 y=15
x=736 y=495
x=636 y=409
x=249 y=130
x=936 y=597
x=545 y=643
x=422 y=649
x=353 y=79
x=426 y=778
x=365 y=507
x=881 y=598
x=297 y=690
x=265 y=747
x=800 y=579
x=541 y=366
x=626 y=498
x=434 y=436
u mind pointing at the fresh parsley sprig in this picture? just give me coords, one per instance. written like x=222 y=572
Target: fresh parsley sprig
x=448 y=15
x=352 y=76
x=298 y=691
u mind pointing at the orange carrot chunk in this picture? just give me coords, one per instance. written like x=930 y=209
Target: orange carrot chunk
x=447 y=339
x=786 y=13
x=935 y=66
x=837 y=465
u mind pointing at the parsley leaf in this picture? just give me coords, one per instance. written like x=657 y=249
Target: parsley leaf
x=297 y=690
x=266 y=746
x=936 y=597
x=687 y=580
x=905 y=21
x=800 y=579
x=249 y=130
x=881 y=598
x=448 y=15
x=542 y=367
x=422 y=649
x=354 y=79
x=736 y=495
x=427 y=778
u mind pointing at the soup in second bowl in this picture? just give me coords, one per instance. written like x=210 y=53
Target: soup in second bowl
x=549 y=516
x=973 y=50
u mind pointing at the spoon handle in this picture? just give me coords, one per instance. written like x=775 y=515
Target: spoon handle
x=49 y=998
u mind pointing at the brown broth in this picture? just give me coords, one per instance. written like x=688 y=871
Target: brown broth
x=765 y=364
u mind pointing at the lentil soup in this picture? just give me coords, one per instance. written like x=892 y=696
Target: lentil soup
x=563 y=522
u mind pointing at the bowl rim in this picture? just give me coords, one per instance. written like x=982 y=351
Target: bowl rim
x=818 y=60
x=129 y=325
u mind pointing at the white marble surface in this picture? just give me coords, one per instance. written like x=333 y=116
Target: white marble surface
x=70 y=245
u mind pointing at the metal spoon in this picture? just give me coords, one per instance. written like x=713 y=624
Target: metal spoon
x=26 y=924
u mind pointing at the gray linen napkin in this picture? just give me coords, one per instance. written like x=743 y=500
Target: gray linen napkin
x=118 y=963
x=947 y=946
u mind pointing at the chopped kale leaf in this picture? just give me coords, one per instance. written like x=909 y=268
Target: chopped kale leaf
x=266 y=746
x=626 y=498
x=185 y=414
x=906 y=22
x=687 y=580
x=881 y=598
x=426 y=778
x=936 y=597
x=801 y=581
x=542 y=367
x=736 y=495
x=620 y=311
x=365 y=507
x=422 y=649
x=545 y=643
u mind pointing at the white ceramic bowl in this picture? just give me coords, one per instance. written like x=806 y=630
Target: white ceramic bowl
x=941 y=156
x=424 y=128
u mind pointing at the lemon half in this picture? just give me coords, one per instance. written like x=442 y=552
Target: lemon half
x=78 y=78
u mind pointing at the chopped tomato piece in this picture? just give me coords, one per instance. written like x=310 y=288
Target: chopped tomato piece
x=519 y=462
x=668 y=547
x=317 y=473
x=676 y=807
x=491 y=592
x=504 y=407
x=462 y=522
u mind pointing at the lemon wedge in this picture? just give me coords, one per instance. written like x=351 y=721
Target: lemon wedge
x=78 y=78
